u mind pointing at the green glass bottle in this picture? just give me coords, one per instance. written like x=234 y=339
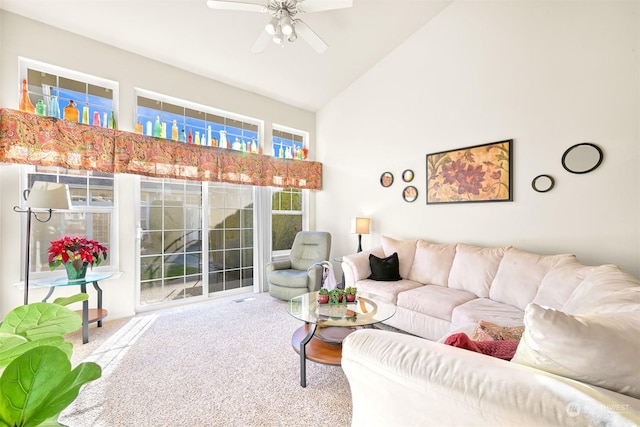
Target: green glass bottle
x=41 y=108
x=112 y=120
x=157 y=128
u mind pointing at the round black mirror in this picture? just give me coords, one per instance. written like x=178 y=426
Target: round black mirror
x=582 y=158
x=543 y=183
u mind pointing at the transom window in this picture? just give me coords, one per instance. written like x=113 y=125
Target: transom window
x=289 y=143
x=56 y=85
x=179 y=120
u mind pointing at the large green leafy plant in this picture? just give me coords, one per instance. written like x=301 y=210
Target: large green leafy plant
x=37 y=382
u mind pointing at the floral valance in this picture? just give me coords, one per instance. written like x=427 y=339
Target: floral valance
x=47 y=141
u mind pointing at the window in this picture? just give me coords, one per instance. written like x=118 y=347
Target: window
x=170 y=118
x=92 y=196
x=286 y=217
x=288 y=145
x=95 y=98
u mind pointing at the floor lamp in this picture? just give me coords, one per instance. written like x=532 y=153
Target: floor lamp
x=360 y=226
x=42 y=196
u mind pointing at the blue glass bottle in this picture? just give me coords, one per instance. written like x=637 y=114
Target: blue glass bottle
x=54 y=107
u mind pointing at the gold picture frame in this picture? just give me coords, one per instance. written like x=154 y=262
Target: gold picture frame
x=481 y=173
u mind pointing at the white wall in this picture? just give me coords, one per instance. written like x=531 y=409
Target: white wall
x=33 y=40
x=546 y=74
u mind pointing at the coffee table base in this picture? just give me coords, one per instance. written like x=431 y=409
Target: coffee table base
x=314 y=349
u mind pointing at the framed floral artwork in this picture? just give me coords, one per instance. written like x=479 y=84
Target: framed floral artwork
x=481 y=173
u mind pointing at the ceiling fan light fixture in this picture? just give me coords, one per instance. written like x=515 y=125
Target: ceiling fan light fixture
x=293 y=36
x=272 y=26
x=286 y=23
x=278 y=37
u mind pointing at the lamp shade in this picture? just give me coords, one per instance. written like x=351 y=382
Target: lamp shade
x=360 y=225
x=48 y=195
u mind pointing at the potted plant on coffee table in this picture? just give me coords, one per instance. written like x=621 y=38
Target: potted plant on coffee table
x=350 y=294
x=336 y=296
x=323 y=296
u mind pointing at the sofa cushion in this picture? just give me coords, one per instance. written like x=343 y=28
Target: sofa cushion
x=558 y=284
x=388 y=290
x=384 y=269
x=519 y=276
x=483 y=308
x=474 y=268
x=598 y=349
x=432 y=263
x=405 y=249
x=434 y=300
x=606 y=289
x=290 y=278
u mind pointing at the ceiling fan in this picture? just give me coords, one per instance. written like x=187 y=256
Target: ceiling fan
x=283 y=24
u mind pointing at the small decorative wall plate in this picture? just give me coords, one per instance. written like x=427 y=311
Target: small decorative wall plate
x=386 y=179
x=410 y=193
x=407 y=175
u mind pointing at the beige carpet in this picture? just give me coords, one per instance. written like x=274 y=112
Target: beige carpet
x=216 y=363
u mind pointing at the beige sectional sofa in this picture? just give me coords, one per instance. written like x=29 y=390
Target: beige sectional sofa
x=578 y=362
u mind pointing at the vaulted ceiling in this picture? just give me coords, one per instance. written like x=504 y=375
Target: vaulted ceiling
x=216 y=43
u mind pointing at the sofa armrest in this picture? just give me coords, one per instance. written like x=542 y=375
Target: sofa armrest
x=356 y=266
x=315 y=273
x=278 y=265
x=399 y=379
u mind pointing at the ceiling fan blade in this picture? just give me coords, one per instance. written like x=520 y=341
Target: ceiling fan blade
x=320 y=5
x=261 y=42
x=310 y=36
x=234 y=5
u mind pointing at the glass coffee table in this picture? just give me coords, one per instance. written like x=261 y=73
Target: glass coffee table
x=326 y=325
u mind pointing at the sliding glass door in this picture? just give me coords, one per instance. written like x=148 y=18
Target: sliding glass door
x=177 y=259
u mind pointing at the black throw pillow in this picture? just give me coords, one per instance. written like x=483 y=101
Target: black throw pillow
x=385 y=269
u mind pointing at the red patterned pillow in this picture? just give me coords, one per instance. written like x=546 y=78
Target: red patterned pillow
x=487 y=331
x=502 y=349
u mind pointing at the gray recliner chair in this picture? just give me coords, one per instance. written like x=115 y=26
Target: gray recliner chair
x=298 y=275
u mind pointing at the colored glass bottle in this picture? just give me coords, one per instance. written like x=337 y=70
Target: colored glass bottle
x=85 y=115
x=139 y=128
x=70 y=112
x=105 y=120
x=149 y=130
x=163 y=130
x=223 y=139
x=209 y=136
x=54 y=107
x=112 y=121
x=25 y=101
x=96 y=119
x=41 y=108
x=183 y=136
x=190 y=137
x=157 y=127
x=174 y=131
x=197 y=140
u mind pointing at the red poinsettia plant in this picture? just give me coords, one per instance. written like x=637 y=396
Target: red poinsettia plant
x=77 y=250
